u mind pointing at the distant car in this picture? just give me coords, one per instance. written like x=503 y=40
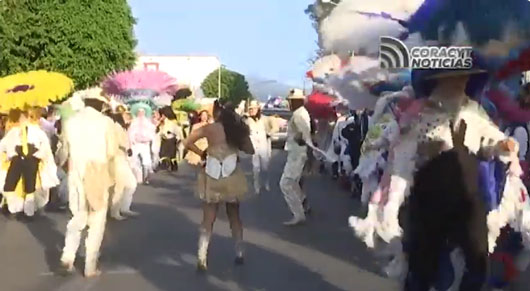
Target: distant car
x=278 y=139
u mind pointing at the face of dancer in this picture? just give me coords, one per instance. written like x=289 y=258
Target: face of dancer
x=453 y=86
x=141 y=113
x=127 y=117
x=204 y=117
x=253 y=111
x=295 y=104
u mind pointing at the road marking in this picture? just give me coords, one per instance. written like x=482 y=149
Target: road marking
x=118 y=270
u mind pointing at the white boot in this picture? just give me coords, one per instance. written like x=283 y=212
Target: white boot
x=91 y=263
x=257 y=187
x=202 y=253
x=239 y=252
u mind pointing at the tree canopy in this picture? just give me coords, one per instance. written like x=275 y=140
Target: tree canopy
x=234 y=86
x=84 y=39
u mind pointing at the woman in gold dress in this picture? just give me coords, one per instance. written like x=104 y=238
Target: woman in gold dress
x=221 y=180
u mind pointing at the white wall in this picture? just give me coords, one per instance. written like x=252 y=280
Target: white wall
x=188 y=70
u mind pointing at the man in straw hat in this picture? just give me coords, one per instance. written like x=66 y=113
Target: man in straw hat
x=298 y=137
x=89 y=145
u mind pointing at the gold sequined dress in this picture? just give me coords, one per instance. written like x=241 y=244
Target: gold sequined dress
x=223 y=181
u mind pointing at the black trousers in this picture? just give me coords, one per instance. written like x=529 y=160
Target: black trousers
x=168 y=153
x=25 y=167
x=168 y=148
x=444 y=213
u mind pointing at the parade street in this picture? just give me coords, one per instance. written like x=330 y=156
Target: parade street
x=157 y=251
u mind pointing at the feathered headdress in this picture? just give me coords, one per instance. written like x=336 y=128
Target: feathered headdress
x=151 y=88
x=357 y=25
x=140 y=84
x=493 y=26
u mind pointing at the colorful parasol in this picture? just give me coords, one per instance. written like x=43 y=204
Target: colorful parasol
x=319 y=105
x=34 y=88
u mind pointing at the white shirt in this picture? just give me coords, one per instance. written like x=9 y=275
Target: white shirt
x=258 y=132
x=89 y=136
x=299 y=127
x=521 y=136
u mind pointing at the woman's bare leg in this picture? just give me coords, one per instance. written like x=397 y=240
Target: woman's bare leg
x=232 y=210
x=209 y=215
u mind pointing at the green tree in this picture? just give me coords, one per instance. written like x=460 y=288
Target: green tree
x=84 y=39
x=234 y=86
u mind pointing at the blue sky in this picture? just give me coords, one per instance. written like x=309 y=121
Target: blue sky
x=272 y=39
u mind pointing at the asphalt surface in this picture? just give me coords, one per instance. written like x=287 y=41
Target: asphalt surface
x=157 y=251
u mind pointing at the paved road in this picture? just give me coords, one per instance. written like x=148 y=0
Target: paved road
x=157 y=250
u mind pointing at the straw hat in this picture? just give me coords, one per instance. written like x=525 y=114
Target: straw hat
x=296 y=94
x=92 y=93
x=438 y=74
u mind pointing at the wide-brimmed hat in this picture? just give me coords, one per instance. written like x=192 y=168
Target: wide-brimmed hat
x=424 y=81
x=95 y=93
x=296 y=94
x=439 y=74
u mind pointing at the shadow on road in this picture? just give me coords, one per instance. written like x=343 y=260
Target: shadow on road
x=326 y=230
x=165 y=256
x=44 y=230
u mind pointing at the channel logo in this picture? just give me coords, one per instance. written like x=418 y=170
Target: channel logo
x=394 y=54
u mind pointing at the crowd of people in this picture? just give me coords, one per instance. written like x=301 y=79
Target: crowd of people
x=413 y=163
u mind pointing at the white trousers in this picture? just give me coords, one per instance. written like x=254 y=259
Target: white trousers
x=95 y=221
x=290 y=182
x=142 y=159
x=260 y=164
x=124 y=189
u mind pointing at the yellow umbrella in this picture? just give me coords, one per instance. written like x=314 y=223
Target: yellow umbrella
x=35 y=88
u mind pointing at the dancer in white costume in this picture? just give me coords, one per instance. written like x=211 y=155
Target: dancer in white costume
x=90 y=146
x=260 y=131
x=298 y=137
x=126 y=182
x=142 y=132
x=29 y=170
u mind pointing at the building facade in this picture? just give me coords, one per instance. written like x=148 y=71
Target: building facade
x=190 y=71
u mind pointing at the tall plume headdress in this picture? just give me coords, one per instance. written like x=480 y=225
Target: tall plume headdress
x=141 y=89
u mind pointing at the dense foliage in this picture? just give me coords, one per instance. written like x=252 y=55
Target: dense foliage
x=85 y=39
x=234 y=86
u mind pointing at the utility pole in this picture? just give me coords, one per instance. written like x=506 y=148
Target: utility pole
x=219 y=80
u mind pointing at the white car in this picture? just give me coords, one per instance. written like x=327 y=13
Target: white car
x=278 y=139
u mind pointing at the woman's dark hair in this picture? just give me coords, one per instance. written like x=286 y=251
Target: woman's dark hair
x=236 y=130
x=168 y=112
x=118 y=118
x=182 y=93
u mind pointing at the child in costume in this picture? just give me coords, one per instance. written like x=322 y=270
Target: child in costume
x=171 y=136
